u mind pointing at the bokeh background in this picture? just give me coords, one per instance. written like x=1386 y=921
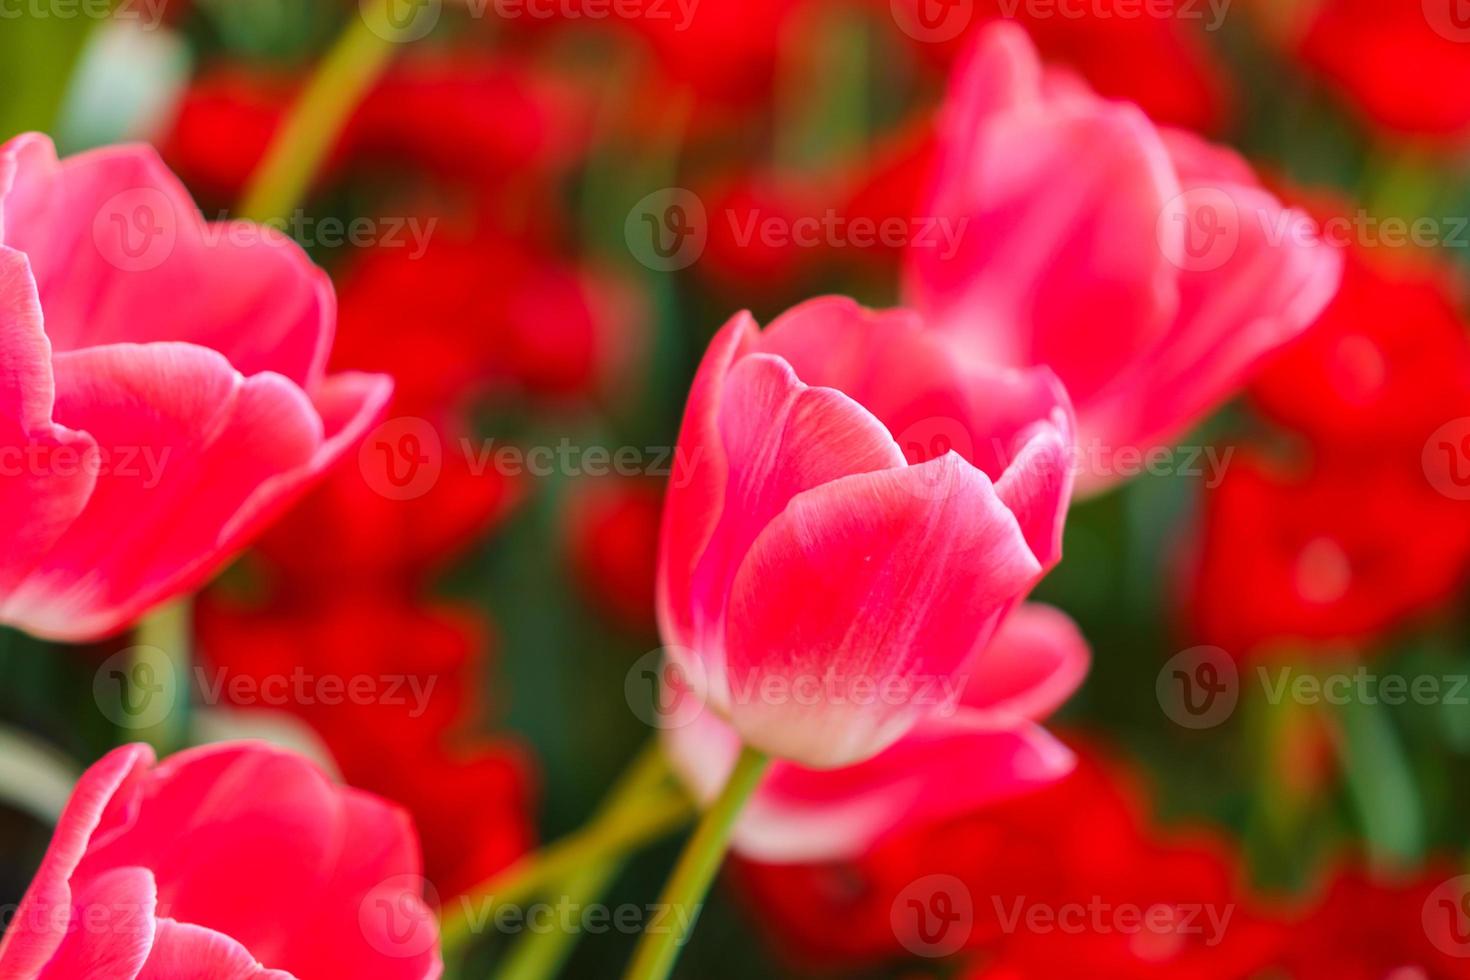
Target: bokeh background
x=486 y=218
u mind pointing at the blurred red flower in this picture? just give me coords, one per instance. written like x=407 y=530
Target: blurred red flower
x=1342 y=552
x=463 y=115
x=356 y=528
x=1370 y=930
x=1077 y=855
x=1404 y=65
x=612 y=539
x=1124 y=49
x=1387 y=363
x=391 y=688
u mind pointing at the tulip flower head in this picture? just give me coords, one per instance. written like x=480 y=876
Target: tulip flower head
x=859 y=504
x=234 y=860
x=1147 y=268
x=162 y=387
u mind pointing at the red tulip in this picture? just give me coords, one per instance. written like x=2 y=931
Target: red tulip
x=236 y=860
x=164 y=394
x=1150 y=280
x=1341 y=553
x=1403 y=65
x=801 y=548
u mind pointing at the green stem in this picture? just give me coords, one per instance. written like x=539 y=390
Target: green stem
x=696 y=870
x=162 y=644
x=538 y=955
x=599 y=841
x=315 y=122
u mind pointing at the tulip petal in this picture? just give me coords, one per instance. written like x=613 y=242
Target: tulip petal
x=1277 y=279
x=47 y=471
x=194 y=456
x=941 y=769
x=696 y=490
x=185 y=441
x=1037 y=485
x=371 y=896
x=780 y=437
x=120 y=253
x=35 y=930
x=1036 y=661
x=932 y=394
x=1055 y=264
x=213 y=816
x=888 y=579
x=112 y=927
x=188 y=952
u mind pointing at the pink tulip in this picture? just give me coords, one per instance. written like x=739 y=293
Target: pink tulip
x=988 y=748
x=832 y=555
x=223 y=863
x=1147 y=268
x=162 y=388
